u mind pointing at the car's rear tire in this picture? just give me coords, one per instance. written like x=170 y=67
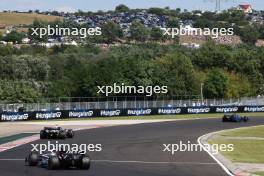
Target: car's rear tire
x=53 y=163
x=245 y=119
x=85 y=163
x=70 y=134
x=32 y=159
x=42 y=135
x=62 y=135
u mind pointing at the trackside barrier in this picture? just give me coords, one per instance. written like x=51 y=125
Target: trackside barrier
x=93 y=113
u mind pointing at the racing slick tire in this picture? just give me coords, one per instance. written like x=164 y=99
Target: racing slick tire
x=32 y=159
x=53 y=163
x=245 y=119
x=42 y=135
x=224 y=119
x=85 y=163
x=62 y=135
x=70 y=134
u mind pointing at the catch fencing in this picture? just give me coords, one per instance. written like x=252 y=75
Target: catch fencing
x=76 y=103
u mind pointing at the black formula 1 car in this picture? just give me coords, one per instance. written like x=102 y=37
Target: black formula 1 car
x=235 y=118
x=56 y=133
x=59 y=160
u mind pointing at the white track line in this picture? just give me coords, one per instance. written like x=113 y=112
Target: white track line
x=153 y=162
x=218 y=162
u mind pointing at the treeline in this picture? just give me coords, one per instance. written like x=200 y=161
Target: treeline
x=13 y=36
x=30 y=73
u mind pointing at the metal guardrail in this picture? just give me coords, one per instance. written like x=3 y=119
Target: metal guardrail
x=129 y=102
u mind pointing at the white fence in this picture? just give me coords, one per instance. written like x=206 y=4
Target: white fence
x=129 y=102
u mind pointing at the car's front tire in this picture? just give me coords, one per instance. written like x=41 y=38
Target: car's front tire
x=85 y=163
x=70 y=134
x=32 y=159
x=245 y=119
x=224 y=119
x=53 y=163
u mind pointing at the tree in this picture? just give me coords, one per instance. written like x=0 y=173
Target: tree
x=173 y=23
x=203 y=23
x=111 y=32
x=239 y=86
x=158 y=11
x=261 y=31
x=24 y=67
x=237 y=16
x=216 y=84
x=80 y=13
x=156 y=34
x=249 y=34
x=37 y=25
x=6 y=50
x=176 y=71
x=121 y=8
x=178 y=10
x=18 y=91
x=139 y=32
x=37 y=11
x=14 y=37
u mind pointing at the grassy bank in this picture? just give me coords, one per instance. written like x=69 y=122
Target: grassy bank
x=259 y=173
x=8 y=19
x=246 y=132
x=248 y=144
x=15 y=19
x=245 y=151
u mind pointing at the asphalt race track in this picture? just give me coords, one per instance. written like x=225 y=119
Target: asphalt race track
x=134 y=150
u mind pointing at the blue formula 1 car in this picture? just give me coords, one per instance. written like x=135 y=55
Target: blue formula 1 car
x=235 y=118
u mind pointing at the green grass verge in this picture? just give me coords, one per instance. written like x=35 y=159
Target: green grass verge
x=259 y=173
x=246 y=132
x=7 y=139
x=245 y=151
x=159 y=117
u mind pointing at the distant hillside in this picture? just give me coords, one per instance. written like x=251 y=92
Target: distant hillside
x=16 y=19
